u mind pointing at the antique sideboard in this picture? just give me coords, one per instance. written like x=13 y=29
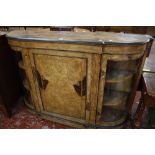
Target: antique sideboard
x=85 y=80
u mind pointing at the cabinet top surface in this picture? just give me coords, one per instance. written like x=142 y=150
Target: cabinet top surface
x=78 y=37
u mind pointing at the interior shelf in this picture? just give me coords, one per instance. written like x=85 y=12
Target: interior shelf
x=28 y=99
x=123 y=65
x=111 y=115
x=26 y=84
x=116 y=76
x=115 y=99
x=21 y=65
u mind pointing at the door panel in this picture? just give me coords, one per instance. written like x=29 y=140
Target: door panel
x=116 y=86
x=63 y=82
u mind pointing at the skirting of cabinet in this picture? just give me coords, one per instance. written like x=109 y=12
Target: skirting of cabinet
x=50 y=117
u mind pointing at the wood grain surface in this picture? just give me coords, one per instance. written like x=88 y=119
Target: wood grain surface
x=62 y=74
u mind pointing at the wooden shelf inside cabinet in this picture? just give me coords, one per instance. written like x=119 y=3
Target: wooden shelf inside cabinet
x=26 y=84
x=130 y=65
x=21 y=65
x=111 y=116
x=116 y=76
x=115 y=99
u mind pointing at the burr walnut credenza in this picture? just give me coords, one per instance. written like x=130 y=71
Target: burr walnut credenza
x=83 y=79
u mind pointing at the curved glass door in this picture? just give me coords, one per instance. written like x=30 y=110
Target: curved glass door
x=118 y=85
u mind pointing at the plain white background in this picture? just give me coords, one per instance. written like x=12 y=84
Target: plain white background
x=77 y=12
x=74 y=13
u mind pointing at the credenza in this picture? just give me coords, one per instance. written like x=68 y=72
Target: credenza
x=83 y=79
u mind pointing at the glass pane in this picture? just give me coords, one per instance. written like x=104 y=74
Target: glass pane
x=118 y=86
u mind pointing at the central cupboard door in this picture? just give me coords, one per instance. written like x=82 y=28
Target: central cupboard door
x=62 y=79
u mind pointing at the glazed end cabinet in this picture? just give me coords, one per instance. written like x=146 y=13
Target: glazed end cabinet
x=84 y=80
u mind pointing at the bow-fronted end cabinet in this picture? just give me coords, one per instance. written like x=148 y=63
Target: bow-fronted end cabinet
x=85 y=80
